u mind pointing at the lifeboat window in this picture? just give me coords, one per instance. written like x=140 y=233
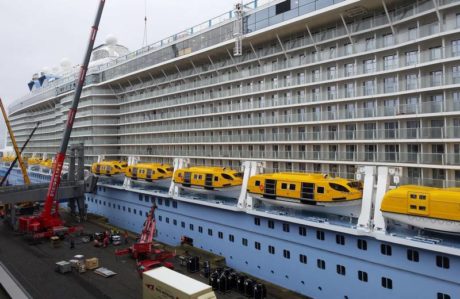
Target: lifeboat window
x=200 y=177
x=117 y=167
x=413 y=196
x=292 y=187
x=238 y=175
x=227 y=177
x=338 y=187
x=413 y=207
x=170 y=169
x=284 y=186
x=356 y=185
x=423 y=197
x=422 y=208
x=257 y=183
x=320 y=190
x=161 y=170
x=195 y=177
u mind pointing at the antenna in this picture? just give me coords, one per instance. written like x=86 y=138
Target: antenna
x=238 y=30
x=144 y=40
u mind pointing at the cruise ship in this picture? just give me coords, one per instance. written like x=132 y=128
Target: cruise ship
x=368 y=91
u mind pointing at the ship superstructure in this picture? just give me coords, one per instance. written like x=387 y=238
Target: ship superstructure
x=351 y=88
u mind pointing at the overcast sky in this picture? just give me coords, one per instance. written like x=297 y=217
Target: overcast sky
x=39 y=33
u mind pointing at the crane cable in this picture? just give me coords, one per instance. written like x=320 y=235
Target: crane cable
x=144 y=41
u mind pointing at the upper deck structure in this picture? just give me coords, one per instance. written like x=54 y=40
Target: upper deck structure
x=321 y=86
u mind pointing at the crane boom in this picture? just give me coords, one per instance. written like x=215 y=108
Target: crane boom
x=47 y=223
x=15 y=146
x=60 y=156
x=22 y=149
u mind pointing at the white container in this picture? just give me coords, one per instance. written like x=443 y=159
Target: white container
x=164 y=283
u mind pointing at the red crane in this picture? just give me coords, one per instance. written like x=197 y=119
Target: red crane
x=49 y=223
x=143 y=250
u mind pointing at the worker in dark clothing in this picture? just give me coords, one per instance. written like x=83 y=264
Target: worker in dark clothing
x=126 y=237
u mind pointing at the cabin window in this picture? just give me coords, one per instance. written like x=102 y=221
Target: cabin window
x=167 y=219
x=220 y=235
x=321 y=264
x=292 y=187
x=413 y=196
x=362 y=276
x=422 y=208
x=302 y=230
x=160 y=218
x=362 y=244
x=231 y=238
x=244 y=241
x=209 y=231
x=341 y=269
x=422 y=197
x=320 y=190
x=413 y=207
x=340 y=239
x=191 y=226
x=412 y=255
x=387 y=283
x=227 y=177
x=442 y=262
x=338 y=187
x=257 y=245
x=271 y=224
x=286 y=254
x=385 y=249
x=320 y=235
x=200 y=229
x=303 y=258
x=257 y=183
x=257 y=221
x=195 y=176
x=271 y=249
x=443 y=296
x=216 y=179
x=174 y=221
x=284 y=186
x=286 y=227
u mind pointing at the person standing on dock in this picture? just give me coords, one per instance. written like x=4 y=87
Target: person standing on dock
x=126 y=237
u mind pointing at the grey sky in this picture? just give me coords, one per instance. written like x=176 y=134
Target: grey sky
x=38 y=33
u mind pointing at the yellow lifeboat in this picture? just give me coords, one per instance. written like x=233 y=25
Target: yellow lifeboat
x=208 y=178
x=109 y=168
x=34 y=161
x=308 y=191
x=149 y=171
x=424 y=207
x=48 y=163
x=8 y=158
